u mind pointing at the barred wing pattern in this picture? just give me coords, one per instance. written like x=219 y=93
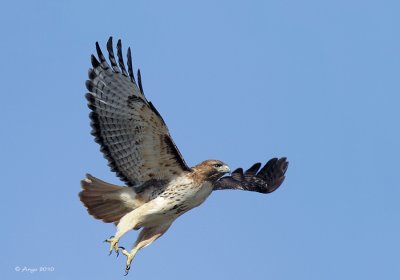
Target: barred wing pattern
x=265 y=180
x=133 y=136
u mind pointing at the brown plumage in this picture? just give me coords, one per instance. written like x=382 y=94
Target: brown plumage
x=102 y=199
x=138 y=146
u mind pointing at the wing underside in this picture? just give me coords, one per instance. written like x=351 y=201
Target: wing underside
x=132 y=135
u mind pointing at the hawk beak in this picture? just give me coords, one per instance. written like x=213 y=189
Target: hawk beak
x=225 y=169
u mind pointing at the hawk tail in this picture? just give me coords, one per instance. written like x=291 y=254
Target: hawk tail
x=106 y=201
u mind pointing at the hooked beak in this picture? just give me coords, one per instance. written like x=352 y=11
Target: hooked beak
x=224 y=169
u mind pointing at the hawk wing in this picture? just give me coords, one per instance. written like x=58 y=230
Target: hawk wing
x=133 y=136
x=264 y=180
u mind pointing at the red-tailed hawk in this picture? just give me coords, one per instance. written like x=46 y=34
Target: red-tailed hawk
x=135 y=140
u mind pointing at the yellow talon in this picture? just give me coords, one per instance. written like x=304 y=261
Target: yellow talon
x=113 y=244
x=129 y=259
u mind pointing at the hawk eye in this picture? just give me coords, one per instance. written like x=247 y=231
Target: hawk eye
x=217 y=165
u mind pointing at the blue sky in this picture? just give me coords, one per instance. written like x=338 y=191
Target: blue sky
x=240 y=81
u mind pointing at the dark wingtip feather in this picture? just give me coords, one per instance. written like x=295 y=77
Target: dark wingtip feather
x=238 y=170
x=284 y=164
x=91 y=74
x=272 y=161
x=268 y=165
x=120 y=58
x=103 y=62
x=111 y=55
x=89 y=85
x=281 y=160
x=254 y=168
x=140 y=81
x=109 y=41
x=130 y=69
x=285 y=167
x=90 y=97
x=110 y=46
x=237 y=174
x=99 y=52
x=94 y=61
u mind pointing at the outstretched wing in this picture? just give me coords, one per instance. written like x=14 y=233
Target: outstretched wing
x=265 y=180
x=132 y=134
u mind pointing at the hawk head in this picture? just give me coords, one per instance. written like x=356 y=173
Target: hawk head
x=211 y=170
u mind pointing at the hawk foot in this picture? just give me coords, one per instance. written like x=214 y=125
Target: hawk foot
x=113 y=244
x=129 y=258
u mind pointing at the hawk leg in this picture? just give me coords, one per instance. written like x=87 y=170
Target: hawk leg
x=128 y=222
x=147 y=236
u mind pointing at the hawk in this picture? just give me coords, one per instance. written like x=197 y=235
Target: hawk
x=135 y=140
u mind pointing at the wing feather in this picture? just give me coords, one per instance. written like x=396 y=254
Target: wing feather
x=132 y=134
x=265 y=180
x=130 y=69
x=120 y=58
x=111 y=56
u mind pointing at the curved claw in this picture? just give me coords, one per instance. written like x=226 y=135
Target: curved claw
x=127 y=270
x=112 y=236
x=120 y=247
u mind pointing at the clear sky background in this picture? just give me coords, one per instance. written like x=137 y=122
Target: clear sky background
x=240 y=81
